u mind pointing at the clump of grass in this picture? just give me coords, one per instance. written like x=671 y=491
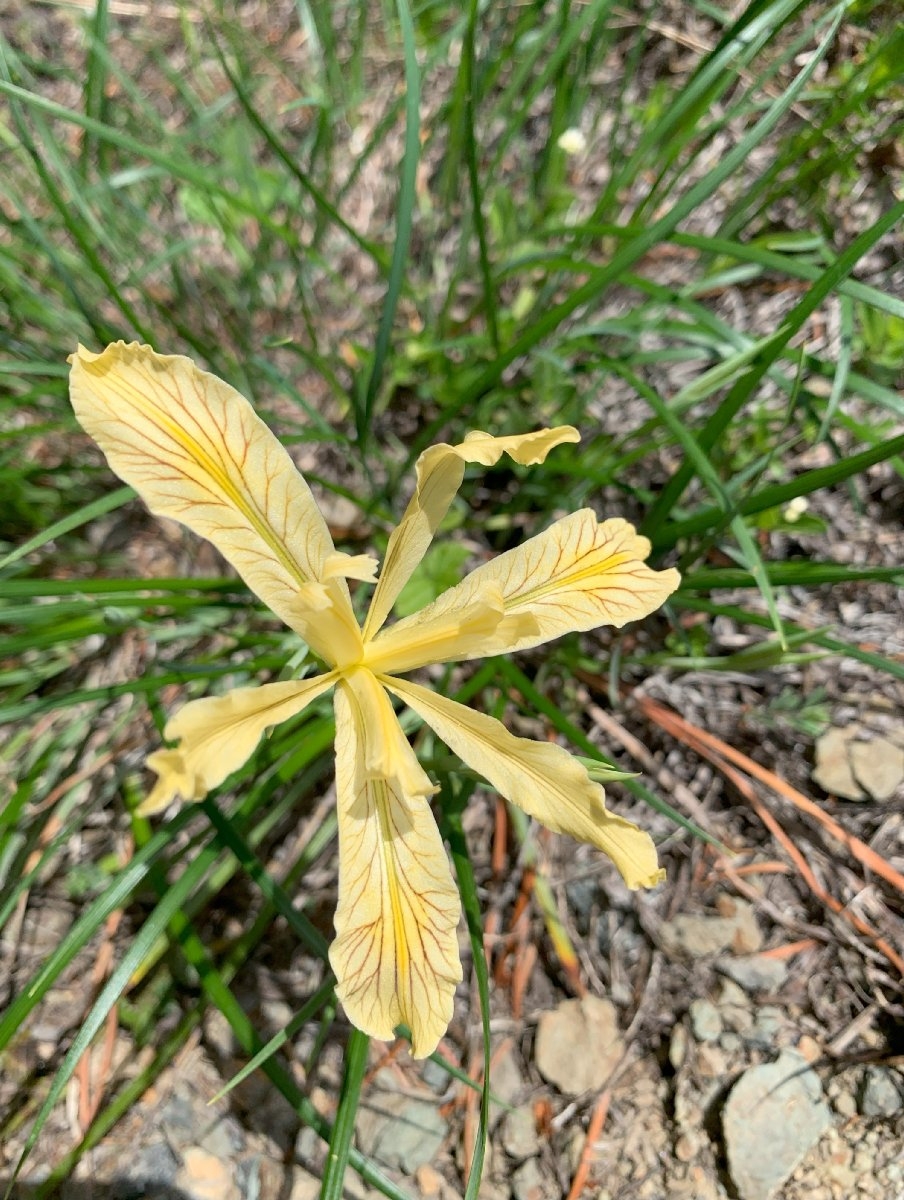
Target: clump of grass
x=373 y=232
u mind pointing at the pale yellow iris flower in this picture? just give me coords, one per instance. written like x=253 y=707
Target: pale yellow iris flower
x=195 y=451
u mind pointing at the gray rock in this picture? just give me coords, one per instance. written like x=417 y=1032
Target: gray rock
x=773 y=1115
x=528 y=1182
x=879 y=766
x=154 y=1164
x=694 y=936
x=223 y=1138
x=754 y=973
x=578 y=1045
x=400 y=1132
x=881 y=1092
x=519 y=1134
x=506 y=1083
x=706 y=1022
x=180 y=1121
x=833 y=765
x=766 y=1026
x=435 y=1077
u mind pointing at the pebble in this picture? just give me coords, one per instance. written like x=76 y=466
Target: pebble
x=777 y=1105
x=754 y=973
x=506 y=1082
x=578 y=1045
x=528 y=1182
x=881 y=1093
x=401 y=1132
x=706 y=1021
x=845 y=1104
x=833 y=770
x=711 y=1062
x=519 y=1134
x=304 y=1185
x=430 y=1183
x=153 y=1165
x=878 y=766
x=695 y=936
x=767 y=1024
x=678 y=1047
x=203 y=1176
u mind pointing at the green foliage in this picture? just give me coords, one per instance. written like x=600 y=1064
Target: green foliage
x=381 y=243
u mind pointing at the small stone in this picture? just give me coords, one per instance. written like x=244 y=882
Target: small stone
x=809 y=1048
x=578 y=1045
x=436 y=1077
x=881 y=1093
x=695 y=936
x=429 y=1181
x=730 y=1042
x=678 y=1047
x=878 y=766
x=203 y=1176
x=519 y=1134
x=686 y=1148
x=401 y=1132
x=528 y=1182
x=223 y=1138
x=308 y=1145
x=154 y=1165
x=845 y=1104
x=833 y=770
x=506 y=1082
x=754 y=972
x=766 y=1026
x=711 y=1062
x=780 y=1106
x=178 y=1119
x=304 y=1185
x=706 y=1022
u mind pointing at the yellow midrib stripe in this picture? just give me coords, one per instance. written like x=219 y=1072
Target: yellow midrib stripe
x=221 y=478
x=572 y=580
x=381 y=803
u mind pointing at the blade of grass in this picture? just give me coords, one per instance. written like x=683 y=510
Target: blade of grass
x=454 y=798
x=404 y=220
x=743 y=389
x=344 y=1126
x=88 y=512
x=630 y=253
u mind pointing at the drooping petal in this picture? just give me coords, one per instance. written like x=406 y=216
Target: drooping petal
x=576 y=575
x=440 y=470
x=218 y=734
x=396 y=953
x=195 y=451
x=540 y=777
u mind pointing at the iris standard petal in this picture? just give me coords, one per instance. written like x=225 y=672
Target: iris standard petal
x=540 y=777
x=195 y=451
x=578 y=574
x=396 y=955
x=218 y=734
x=440 y=470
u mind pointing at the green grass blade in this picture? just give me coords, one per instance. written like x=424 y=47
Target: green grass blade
x=468 y=65
x=344 y=1127
x=744 y=388
x=453 y=799
x=404 y=221
x=97 y=508
x=628 y=254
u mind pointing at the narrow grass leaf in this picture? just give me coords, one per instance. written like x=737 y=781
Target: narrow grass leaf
x=404 y=220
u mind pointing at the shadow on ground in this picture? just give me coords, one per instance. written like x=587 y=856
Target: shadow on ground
x=113 y=1189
